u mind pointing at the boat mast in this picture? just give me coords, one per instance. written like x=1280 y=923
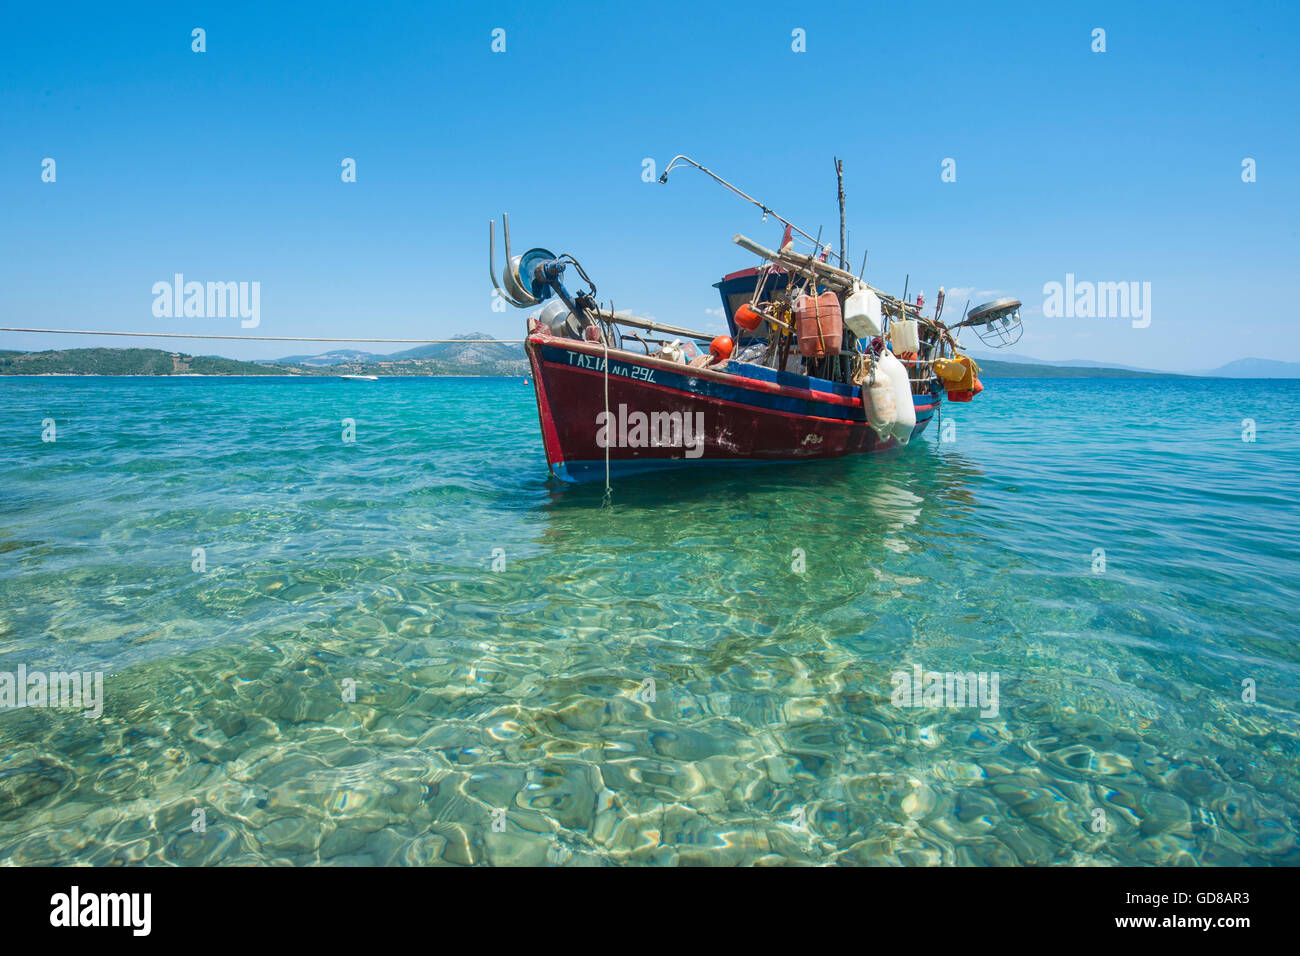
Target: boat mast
x=839 y=178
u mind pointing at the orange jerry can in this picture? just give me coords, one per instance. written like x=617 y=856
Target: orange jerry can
x=820 y=324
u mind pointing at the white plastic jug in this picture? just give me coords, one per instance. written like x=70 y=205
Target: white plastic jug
x=905 y=336
x=896 y=372
x=672 y=352
x=862 y=313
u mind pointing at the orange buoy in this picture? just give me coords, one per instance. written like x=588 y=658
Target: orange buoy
x=747 y=318
x=720 y=348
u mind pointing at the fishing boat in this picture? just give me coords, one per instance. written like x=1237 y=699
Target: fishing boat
x=817 y=362
x=360 y=378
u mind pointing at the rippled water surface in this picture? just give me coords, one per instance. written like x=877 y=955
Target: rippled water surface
x=1125 y=731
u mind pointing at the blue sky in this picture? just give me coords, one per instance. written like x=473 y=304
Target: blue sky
x=225 y=165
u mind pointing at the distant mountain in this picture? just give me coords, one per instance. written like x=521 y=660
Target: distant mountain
x=992 y=368
x=466 y=353
x=1241 y=368
x=126 y=362
x=981 y=355
x=441 y=359
x=498 y=358
x=1256 y=368
x=336 y=357
x=458 y=353
x=467 y=359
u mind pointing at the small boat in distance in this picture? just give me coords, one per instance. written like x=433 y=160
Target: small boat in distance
x=360 y=378
x=817 y=363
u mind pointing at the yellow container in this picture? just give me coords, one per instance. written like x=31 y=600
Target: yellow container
x=958 y=373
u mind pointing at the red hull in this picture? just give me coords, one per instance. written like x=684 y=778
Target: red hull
x=665 y=414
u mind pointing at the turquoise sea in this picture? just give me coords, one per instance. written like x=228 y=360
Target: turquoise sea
x=416 y=648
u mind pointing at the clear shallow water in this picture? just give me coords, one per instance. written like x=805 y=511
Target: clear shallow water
x=522 y=689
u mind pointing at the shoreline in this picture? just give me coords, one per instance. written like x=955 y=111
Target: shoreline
x=308 y=378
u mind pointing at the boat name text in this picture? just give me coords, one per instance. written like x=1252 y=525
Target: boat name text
x=640 y=372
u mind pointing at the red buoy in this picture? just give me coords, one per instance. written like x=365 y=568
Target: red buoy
x=720 y=348
x=747 y=318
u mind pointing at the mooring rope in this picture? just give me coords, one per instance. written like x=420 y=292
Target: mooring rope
x=607 y=501
x=265 y=338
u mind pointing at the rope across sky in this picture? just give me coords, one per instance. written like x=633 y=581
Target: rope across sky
x=266 y=338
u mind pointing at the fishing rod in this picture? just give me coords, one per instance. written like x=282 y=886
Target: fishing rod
x=767 y=210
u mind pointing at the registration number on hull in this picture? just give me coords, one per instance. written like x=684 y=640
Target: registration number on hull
x=597 y=363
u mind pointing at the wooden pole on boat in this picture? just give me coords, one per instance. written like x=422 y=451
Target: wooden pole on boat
x=844 y=244
x=844 y=259
x=648 y=325
x=823 y=272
